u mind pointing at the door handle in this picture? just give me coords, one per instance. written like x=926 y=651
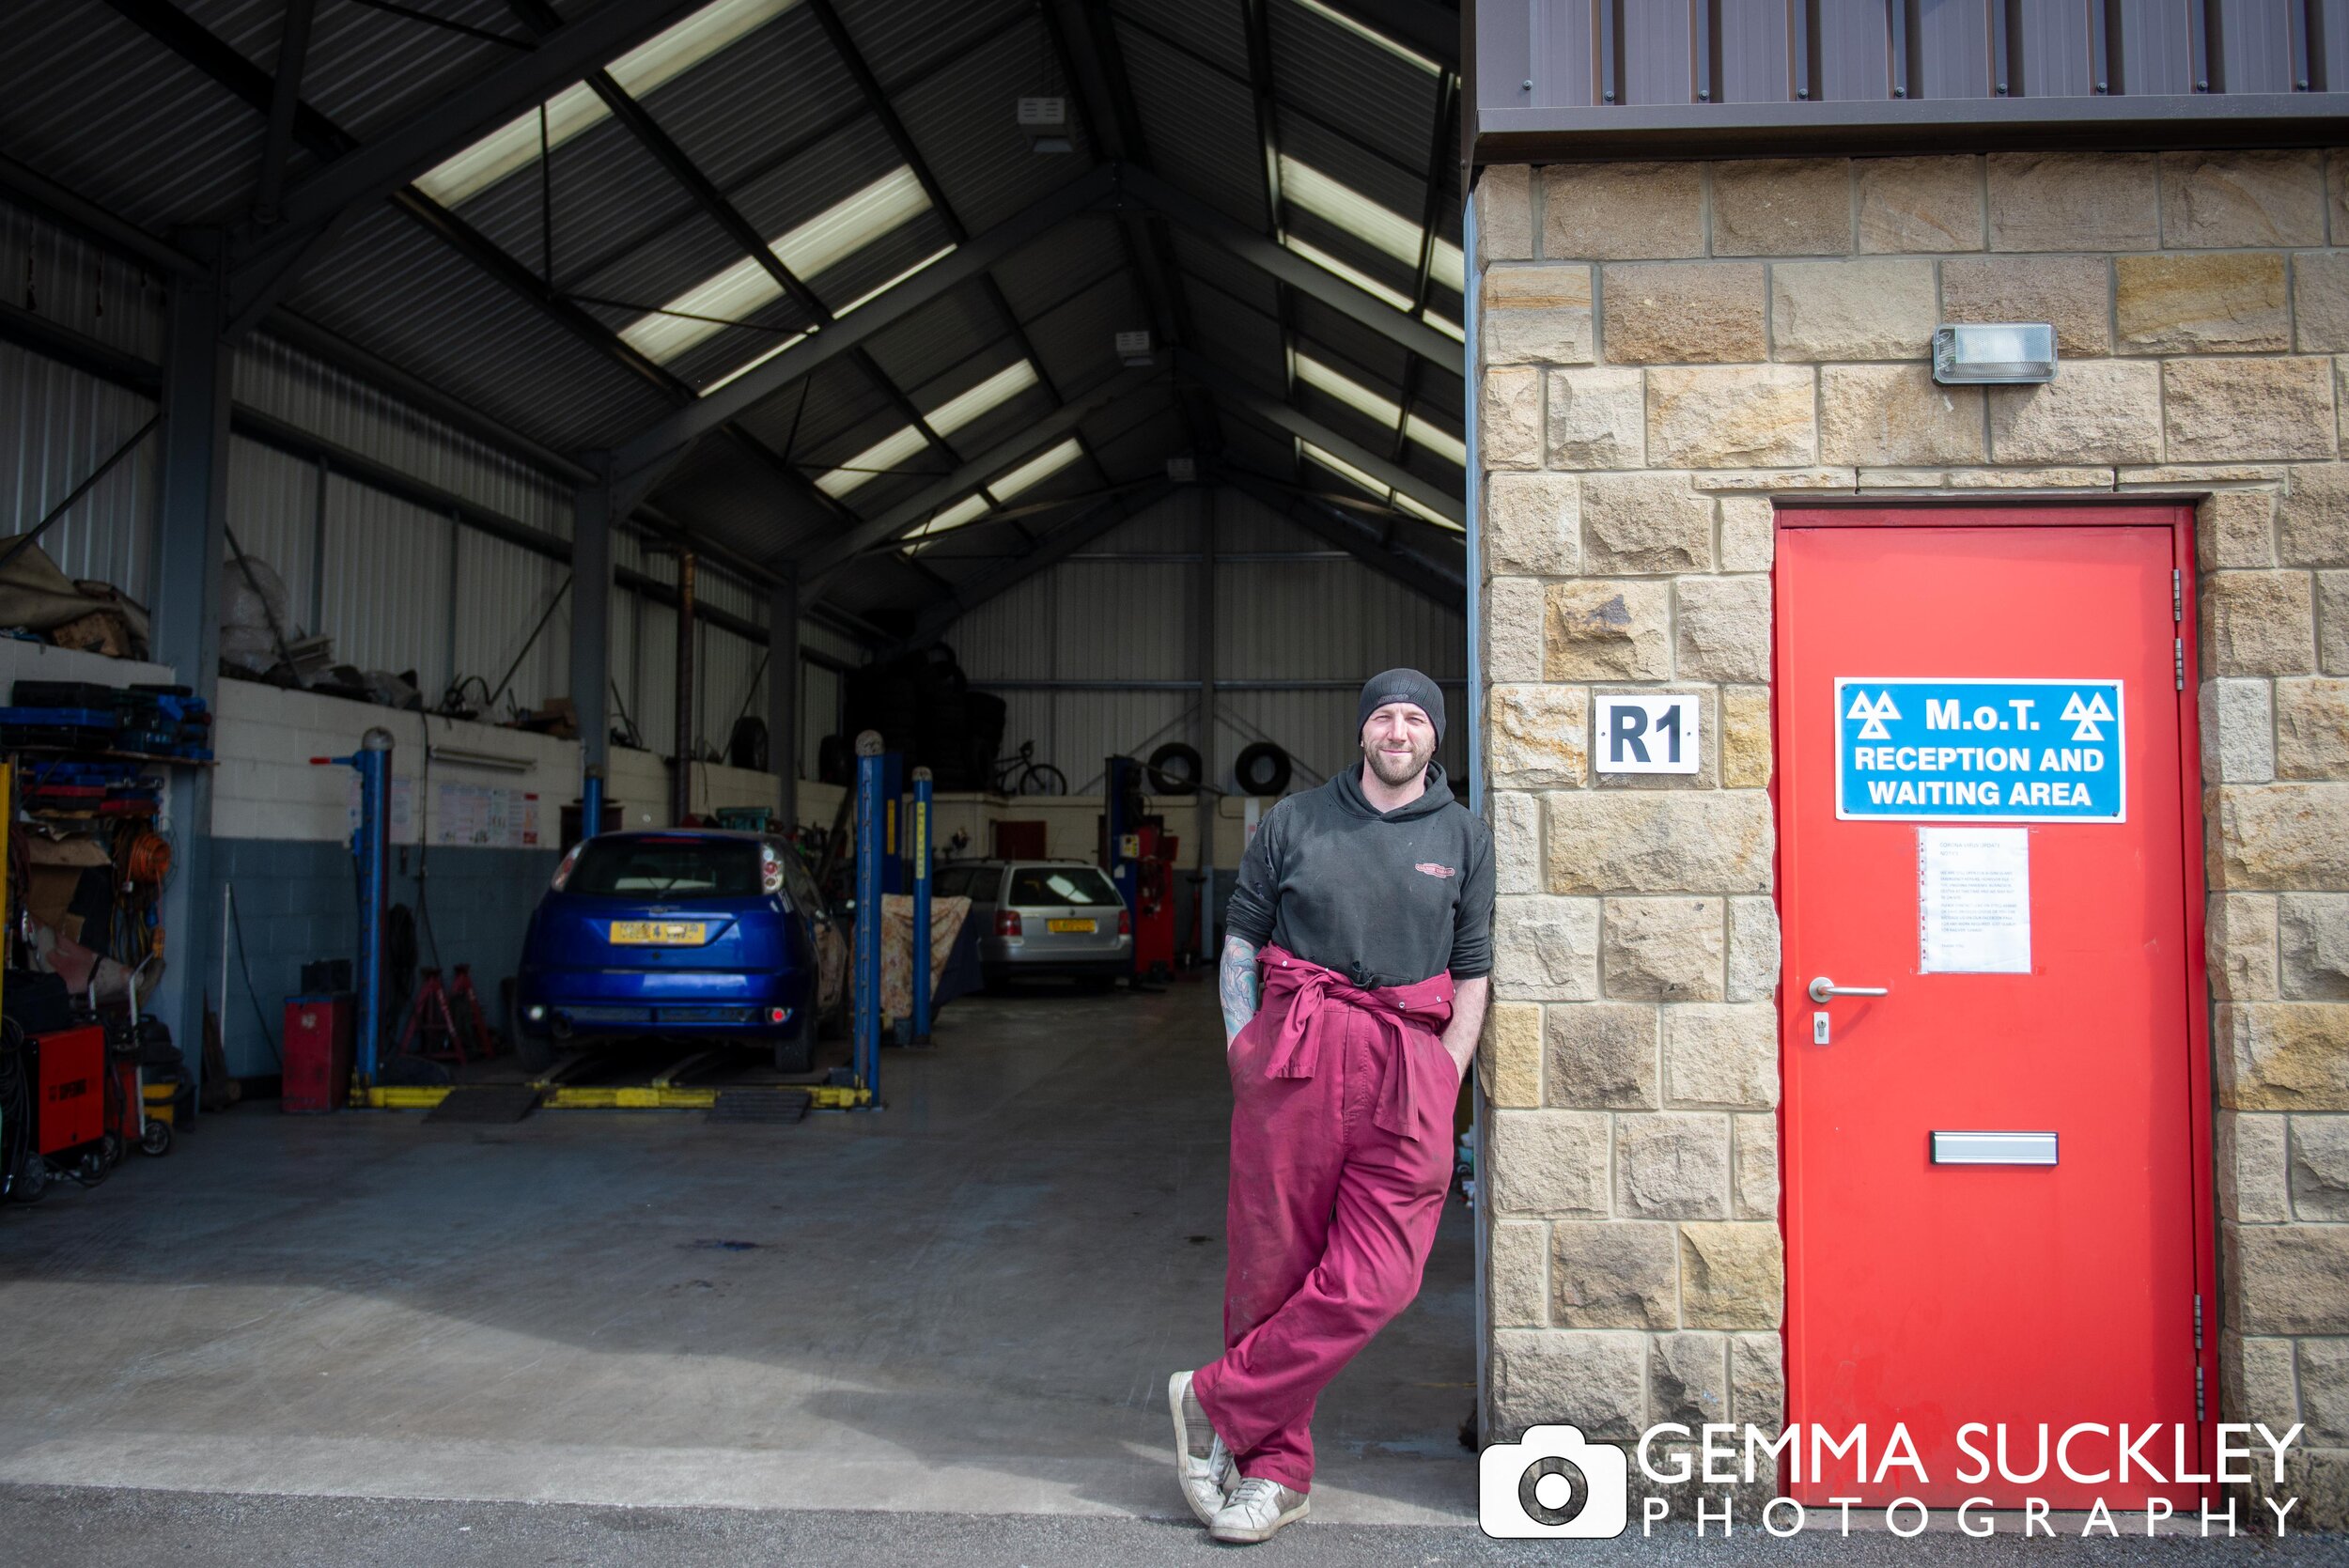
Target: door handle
x=1823 y=988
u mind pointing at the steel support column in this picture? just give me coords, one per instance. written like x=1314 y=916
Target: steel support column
x=782 y=695
x=591 y=615
x=1206 y=512
x=191 y=540
x=688 y=697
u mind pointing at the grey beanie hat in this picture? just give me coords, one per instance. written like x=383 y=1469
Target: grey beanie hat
x=1401 y=685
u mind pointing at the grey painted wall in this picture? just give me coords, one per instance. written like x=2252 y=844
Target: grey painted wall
x=297 y=900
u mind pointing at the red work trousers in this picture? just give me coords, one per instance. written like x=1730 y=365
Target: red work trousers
x=1341 y=1156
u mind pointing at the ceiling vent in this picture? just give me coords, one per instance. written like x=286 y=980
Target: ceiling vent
x=1133 y=350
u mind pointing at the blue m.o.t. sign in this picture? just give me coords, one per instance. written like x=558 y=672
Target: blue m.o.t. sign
x=1980 y=751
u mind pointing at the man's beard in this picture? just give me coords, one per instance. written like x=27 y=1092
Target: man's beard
x=1391 y=772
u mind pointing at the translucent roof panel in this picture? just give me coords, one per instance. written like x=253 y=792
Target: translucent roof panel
x=1345 y=470
x=891 y=452
x=1363 y=481
x=1371 y=35
x=1024 y=477
x=885 y=455
x=1378 y=405
x=1036 y=470
x=1377 y=226
x=813 y=247
x=659 y=59
x=968 y=509
x=1002 y=387
x=1347 y=270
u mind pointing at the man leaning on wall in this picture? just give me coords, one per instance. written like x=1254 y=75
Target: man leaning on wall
x=1354 y=976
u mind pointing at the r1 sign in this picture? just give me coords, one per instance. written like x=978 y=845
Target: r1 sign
x=1646 y=735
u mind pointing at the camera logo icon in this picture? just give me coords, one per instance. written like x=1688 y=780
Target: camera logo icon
x=1552 y=1485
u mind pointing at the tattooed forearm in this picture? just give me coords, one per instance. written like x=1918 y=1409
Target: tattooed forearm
x=1235 y=981
x=1468 y=1019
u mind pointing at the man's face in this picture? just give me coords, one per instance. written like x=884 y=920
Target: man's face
x=1398 y=742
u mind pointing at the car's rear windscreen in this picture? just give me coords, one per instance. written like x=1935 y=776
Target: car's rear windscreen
x=1061 y=884
x=651 y=868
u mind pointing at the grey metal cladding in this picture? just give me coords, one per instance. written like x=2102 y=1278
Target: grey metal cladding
x=1649 y=78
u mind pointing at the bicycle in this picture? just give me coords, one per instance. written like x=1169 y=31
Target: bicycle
x=1022 y=774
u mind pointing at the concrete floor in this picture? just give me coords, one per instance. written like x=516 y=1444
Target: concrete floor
x=965 y=1305
x=75 y=1527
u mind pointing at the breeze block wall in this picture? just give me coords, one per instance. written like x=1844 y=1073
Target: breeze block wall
x=1663 y=349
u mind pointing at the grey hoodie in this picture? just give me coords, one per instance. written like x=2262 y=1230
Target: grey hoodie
x=1385 y=899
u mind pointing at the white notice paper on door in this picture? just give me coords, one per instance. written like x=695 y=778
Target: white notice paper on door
x=1973 y=901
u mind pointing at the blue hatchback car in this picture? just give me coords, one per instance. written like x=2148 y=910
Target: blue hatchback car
x=682 y=933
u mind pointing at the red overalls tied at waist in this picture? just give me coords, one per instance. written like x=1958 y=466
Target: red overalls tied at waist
x=1305 y=998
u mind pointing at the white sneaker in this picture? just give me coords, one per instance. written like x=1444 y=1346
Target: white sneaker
x=1258 y=1507
x=1204 y=1466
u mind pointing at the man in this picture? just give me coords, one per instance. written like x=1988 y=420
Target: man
x=1363 y=919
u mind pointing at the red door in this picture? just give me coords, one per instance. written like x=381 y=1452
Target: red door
x=2020 y=881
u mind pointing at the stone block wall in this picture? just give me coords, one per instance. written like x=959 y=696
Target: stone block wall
x=1662 y=349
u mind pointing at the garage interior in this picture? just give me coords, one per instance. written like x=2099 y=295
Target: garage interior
x=1035 y=383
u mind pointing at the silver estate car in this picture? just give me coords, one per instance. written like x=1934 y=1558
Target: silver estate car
x=1039 y=918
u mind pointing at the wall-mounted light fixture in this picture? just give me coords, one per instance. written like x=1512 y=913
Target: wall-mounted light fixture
x=1997 y=354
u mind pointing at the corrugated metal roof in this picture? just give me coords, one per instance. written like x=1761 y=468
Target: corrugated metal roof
x=1140 y=450
x=1215 y=30
x=1367 y=356
x=934 y=339
x=822 y=419
x=609 y=198
x=1244 y=339
x=1226 y=272
x=1355 y=89
x=749 y=106
x=401 y=293
x=962 y=118
x=1039 y=275
x=367 y=69
x=98 y=105
x=1075 y=340
x=1199 y=124
x=1251 y=446
x=776 y=123
x=899 y=41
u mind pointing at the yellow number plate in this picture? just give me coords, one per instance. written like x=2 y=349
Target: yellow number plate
x=1084 y=926
x=659 y=933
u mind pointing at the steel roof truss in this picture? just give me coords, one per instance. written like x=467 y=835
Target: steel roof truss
x=968 y=260
x=1230 y=389
x=974 y=474
x=1279 y=262
x=383 y=164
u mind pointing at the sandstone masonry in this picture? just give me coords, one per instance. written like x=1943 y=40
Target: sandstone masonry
x=1715 y=336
